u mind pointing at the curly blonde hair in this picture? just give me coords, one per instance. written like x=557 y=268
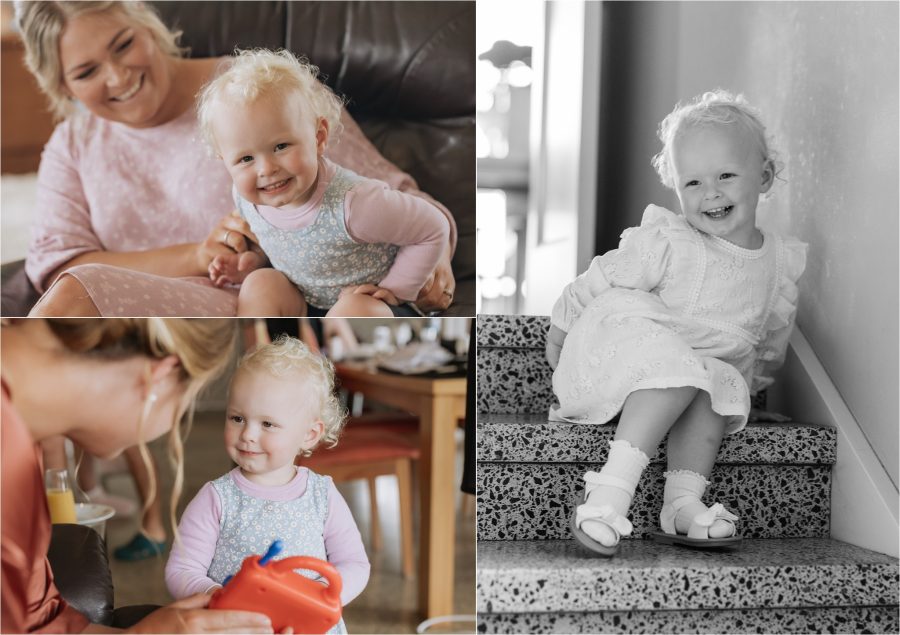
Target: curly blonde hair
x=41 y=25
x=288 y=356
x=716 y=107
x=258 y=73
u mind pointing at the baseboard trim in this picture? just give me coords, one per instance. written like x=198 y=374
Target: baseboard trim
x=865 y=504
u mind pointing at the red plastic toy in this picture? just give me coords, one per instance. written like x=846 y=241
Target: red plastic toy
x=288 y=598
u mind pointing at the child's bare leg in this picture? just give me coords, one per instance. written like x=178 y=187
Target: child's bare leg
x=269 y=293
x=693 y=446
x=359 y=305
x=646 y=418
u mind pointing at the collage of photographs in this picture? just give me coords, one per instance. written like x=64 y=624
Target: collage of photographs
x=450 y=316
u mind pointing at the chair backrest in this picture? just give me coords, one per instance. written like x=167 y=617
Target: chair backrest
x=80 y=568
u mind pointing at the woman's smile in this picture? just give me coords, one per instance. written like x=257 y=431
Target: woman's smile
x=131 y=92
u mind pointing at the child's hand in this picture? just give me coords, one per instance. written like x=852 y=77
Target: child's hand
x=234 y=268
x=555 y=339
x=373 y=290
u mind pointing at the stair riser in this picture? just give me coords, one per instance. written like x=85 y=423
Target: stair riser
x=532 y=439
x=513 y=380
x=534 y=501
x=802 y=620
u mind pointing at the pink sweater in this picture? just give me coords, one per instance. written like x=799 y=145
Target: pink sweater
x=190 y=559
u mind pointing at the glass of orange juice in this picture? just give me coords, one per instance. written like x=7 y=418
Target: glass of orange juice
x=59 y=496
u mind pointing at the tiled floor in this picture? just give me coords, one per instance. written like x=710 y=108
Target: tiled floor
x=388 y=605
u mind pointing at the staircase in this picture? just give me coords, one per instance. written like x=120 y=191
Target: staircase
x=532 y=578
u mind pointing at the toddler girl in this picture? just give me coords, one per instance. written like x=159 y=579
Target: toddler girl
x=338 y=242
x=675 y=328
x=281 y=403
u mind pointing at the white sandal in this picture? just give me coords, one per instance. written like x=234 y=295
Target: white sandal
x=605 y=514
x=698 y=533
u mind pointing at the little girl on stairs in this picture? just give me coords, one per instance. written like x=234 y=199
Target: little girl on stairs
x=677 y=327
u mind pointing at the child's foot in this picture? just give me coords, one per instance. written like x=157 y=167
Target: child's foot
x=614 y=497
x=686 y=516
x=600 y=521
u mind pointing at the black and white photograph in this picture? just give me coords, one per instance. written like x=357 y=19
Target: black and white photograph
x=687 y=349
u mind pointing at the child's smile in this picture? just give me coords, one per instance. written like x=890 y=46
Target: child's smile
x=719 y=175
x=269 y=420
x=271 y=148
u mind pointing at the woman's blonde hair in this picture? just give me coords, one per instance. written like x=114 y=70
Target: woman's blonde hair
x=41 y=25
x=288 y=356
x=716 y=107
x=258 y=73
x=204 y=348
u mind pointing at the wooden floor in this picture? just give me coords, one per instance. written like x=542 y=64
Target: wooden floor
x=388 y=605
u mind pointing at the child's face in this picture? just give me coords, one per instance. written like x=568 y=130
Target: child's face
x=268 y=421
x=271 y=149
x=719 y=175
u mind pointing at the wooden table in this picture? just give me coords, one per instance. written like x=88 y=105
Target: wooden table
x=439 y=403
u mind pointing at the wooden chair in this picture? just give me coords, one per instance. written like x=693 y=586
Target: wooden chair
x=366 y=452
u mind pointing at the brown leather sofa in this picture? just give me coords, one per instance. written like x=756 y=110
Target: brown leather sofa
x=407 y=70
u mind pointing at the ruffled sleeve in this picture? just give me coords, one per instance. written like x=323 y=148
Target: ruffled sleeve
x=640 y=262
x=770 y=351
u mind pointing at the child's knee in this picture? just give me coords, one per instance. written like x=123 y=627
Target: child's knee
x=65 y=297
x=272 y=290
x=359 y=305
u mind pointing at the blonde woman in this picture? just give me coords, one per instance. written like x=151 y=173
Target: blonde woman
x=131 y=208
x=107 y=385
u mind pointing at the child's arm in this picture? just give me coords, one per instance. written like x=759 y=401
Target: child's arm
x=555 y=338
x=376 y=214
x=344 y=546
x=640 y=263
x=192 y=554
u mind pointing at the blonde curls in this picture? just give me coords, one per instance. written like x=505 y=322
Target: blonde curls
x=716 y=107
x=289 y=356
x=41 y=24
x=204 y=348
x=258 y=73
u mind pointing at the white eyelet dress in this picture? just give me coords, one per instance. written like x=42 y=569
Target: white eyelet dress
x=672 y=307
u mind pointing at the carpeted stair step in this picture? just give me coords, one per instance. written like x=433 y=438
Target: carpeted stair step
x=775 y=585
x=776 y=477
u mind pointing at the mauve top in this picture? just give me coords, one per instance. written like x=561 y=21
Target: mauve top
x=30 y=600
x=103 y=185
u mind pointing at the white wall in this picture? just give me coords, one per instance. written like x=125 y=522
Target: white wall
x=825 y=75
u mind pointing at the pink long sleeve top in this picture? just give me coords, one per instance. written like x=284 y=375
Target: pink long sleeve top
x=191 y=556
x=375 y=213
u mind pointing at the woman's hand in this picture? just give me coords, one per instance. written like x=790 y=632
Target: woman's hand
x=190 y=615
x=437 y=294
x=231 y=235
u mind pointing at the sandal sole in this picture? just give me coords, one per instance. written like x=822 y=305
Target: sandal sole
x=589 y=543
x=733 y=543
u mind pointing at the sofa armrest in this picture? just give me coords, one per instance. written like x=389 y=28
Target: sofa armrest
x=80 y=568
